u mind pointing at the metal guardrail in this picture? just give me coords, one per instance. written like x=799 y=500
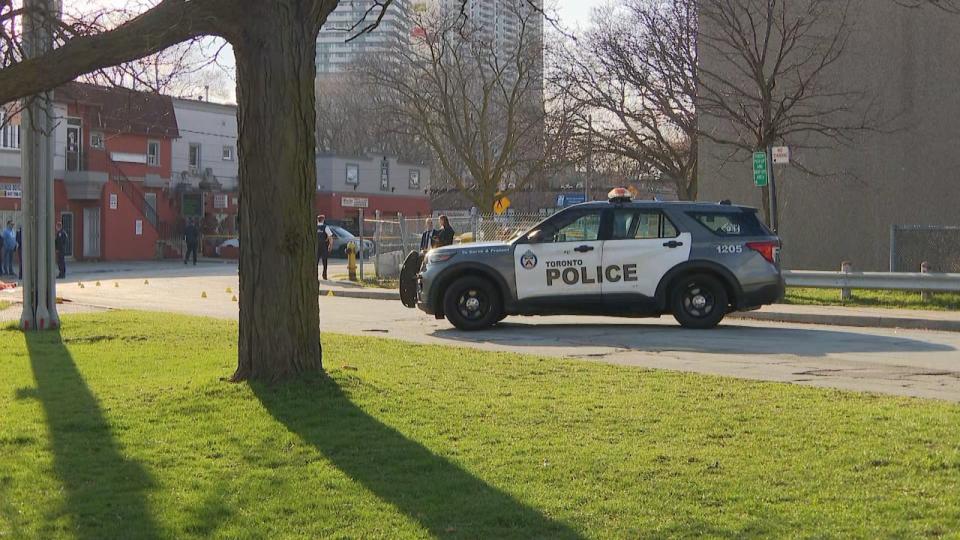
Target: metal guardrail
x=899 y=281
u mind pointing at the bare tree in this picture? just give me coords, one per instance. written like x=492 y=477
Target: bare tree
x=275 y=47
x=636 y=72
x=480 y=107
x=763 y=77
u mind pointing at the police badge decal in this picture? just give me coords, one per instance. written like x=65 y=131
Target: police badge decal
x=528 y=260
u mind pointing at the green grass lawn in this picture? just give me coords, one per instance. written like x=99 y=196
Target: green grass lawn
x=869 y=298
x=122 y=427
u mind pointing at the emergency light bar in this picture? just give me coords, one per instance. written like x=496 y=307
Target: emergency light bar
x=619 y=195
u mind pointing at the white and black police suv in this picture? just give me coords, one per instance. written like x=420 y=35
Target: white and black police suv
x=698 y=261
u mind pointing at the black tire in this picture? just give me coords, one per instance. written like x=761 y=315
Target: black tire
x=472 y=303
x=698 y=301
x=408 y=279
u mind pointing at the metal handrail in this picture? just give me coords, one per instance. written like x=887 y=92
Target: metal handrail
x=899 y=281
x=135 y=195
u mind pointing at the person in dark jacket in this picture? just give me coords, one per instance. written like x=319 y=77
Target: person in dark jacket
x=192 y=236
x=20 y=251
x=446 y=233
x=324 y=243
x=60 y=244
x=429 y=238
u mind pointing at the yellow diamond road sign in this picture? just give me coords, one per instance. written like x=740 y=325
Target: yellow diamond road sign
x=501 y=205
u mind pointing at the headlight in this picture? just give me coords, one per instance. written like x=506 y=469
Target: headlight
x=436 y=257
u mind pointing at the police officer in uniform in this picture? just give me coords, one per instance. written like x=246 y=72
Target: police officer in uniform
x=191 y=235
x=60 y=246
x=324 y=243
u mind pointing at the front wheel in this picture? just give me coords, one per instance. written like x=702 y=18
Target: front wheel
x=698 y=301
x=472 y=303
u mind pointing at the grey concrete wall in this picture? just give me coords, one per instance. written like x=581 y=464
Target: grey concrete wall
x=332 y=176
x=908 y=61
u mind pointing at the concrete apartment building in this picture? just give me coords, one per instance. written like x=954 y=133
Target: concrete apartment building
x=336 y=55
x=905 y=60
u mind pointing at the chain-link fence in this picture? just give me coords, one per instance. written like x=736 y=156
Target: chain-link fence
x=395 y=236
x=937 y=245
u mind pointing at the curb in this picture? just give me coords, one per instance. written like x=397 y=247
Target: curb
x=365 y=294
x=862 y=321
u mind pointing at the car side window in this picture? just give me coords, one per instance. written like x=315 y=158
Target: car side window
x=638 y=224
x=575 y=226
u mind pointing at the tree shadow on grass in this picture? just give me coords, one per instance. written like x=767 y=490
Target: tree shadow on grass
x=105 y=493
x=442 y=497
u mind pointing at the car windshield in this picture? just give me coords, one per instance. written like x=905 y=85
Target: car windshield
x=342 y=233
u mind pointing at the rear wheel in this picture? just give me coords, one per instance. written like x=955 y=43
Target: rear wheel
x=698 y=301
x=472 y=303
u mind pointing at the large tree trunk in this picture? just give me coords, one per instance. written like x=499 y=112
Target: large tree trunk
x=279 y=314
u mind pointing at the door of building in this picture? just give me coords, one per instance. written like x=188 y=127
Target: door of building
x=151 y=210
x=74 y=150
x=91 y=233
x=66 y=218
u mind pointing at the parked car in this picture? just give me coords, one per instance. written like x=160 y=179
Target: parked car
x=343 y=237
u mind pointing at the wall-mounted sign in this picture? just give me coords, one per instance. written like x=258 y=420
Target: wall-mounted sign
x=354 y=202
x=113 y=201
x=139 y=227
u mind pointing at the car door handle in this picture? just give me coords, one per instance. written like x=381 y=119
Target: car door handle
x=583 y=249
x=672 y=244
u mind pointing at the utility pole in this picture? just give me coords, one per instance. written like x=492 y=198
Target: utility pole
x=774 y=221
x=39 y=282
x=589 y=179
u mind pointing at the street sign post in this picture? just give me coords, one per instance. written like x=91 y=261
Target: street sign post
x=760 y=174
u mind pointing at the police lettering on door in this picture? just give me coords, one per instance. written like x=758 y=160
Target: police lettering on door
x=573 y=272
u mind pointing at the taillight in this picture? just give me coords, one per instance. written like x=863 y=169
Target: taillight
x=768 y=250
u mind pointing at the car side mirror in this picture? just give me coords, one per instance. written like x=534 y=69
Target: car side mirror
x=535 y=237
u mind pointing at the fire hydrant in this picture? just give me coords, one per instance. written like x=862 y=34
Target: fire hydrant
x=352 y=261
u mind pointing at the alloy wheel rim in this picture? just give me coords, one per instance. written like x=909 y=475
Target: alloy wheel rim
x=698 y=301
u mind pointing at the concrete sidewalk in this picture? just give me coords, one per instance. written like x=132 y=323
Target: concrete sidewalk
x=946 y=321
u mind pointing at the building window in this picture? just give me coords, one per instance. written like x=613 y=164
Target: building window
x=153 y=153
x=353 y=174
x=9 y=133
x=384 y=175
x=194 y=157
x=96 y=140
x=414 y=178
x=228 y=153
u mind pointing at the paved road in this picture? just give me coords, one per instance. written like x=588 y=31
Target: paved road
x=903 y=362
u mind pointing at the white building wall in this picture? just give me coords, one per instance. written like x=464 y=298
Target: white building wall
x=10 y=157
x=214 y=127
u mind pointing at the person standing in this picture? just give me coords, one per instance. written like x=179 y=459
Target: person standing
x=446 y=232
x=429 y=238
x=324 y=243
x=192 y=237
x=60 y=244
x=20 y=252
x=9 y=247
